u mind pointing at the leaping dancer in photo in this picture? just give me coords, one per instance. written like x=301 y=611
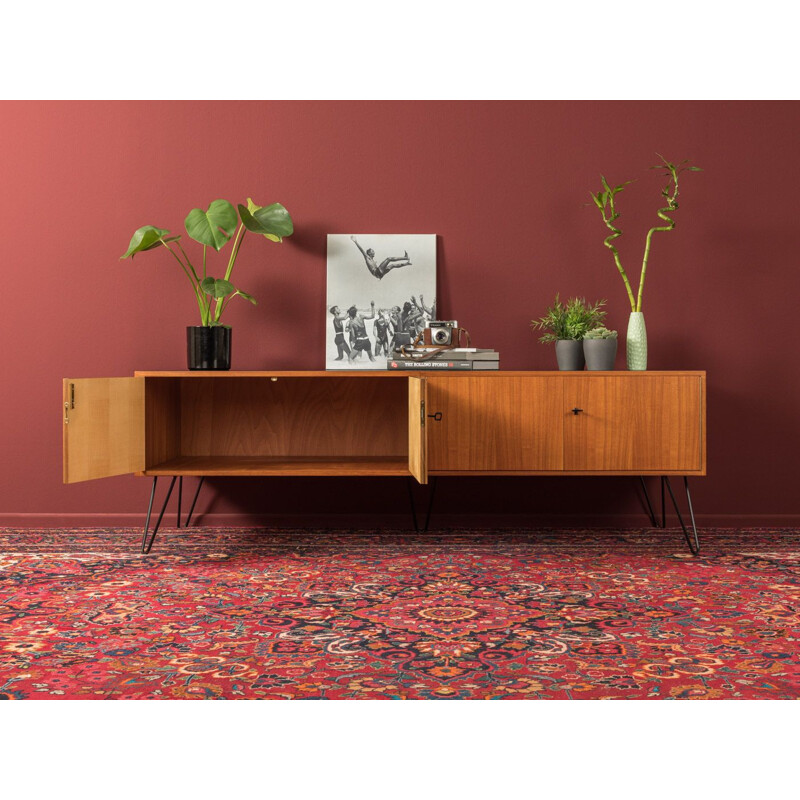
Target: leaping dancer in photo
x=379 y=270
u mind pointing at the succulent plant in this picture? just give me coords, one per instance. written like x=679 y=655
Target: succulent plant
x=600 y=333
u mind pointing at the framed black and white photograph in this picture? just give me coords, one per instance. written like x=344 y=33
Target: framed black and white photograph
x=381 y=294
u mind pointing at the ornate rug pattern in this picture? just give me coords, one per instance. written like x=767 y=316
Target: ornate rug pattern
x=254 y=613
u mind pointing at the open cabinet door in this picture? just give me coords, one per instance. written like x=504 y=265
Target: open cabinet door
x=417 y=439
x=103 y=421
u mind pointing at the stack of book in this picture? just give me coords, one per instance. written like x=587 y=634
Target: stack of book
x=459 y=358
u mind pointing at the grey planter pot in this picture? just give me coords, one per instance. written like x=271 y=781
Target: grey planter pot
x=569 y=354
x=600 y=353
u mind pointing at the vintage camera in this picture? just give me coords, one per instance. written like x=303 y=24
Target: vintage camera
x=441 y=333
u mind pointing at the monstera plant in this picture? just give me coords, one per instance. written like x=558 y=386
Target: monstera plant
x=215 y=227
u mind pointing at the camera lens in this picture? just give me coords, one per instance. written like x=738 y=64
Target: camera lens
x=440 y=336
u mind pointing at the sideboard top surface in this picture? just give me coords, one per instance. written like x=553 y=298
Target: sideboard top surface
x=402 y=373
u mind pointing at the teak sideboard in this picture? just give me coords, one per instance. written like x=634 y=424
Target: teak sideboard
x=386 y=423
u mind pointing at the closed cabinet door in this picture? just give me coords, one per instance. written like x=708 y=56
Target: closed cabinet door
x=495 y=424
x=634 y=423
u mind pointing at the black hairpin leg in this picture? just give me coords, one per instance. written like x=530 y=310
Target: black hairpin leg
x=150 y=507
x=431 y=495
x=433 y=482
x=694 y=546
x=145 y=545
x=191 y=508
x=180 y=495
x=650 y=511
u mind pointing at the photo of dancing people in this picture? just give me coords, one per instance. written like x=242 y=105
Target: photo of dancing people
x=381 y=295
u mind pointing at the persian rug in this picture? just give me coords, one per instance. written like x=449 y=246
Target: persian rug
x=255 y=613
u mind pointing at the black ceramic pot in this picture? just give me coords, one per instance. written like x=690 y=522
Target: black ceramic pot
x=208 y=347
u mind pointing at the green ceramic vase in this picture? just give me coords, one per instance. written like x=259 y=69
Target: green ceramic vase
x=636 y=343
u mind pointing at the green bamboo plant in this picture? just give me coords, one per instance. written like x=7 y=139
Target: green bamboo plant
x=215 y=227
x=604 y=200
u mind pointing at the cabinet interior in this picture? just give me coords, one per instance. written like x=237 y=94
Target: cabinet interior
x=263 y=426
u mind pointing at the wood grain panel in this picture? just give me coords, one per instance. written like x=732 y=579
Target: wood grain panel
x=384 y=375
x=496 y=423
x=644 y=424
x=103 y=429
x=334 y=417
x=162 y=420
x=283 y=465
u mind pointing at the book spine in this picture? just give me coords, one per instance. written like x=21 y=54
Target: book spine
x=469 y=357
x=429 y=365
x=461 y=356
x=443 y=366
x=477 y=366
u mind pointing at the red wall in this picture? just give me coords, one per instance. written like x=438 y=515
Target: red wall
x=503 y=184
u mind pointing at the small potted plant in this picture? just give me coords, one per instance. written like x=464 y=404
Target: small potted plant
x=566 y=324
x=209 y=344
x=600 y=348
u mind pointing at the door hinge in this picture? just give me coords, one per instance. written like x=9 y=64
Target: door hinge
x=68 y=404
x=422 y=413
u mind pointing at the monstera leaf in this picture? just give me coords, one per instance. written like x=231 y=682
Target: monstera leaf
x=272 y=221
x=213 y=227
x=217 y=287
x=146 y=238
